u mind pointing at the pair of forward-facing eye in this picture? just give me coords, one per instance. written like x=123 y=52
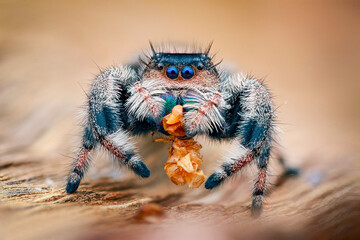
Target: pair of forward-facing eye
x=172 y=72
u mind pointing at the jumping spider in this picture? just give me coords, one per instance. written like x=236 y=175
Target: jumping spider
x=131 y=100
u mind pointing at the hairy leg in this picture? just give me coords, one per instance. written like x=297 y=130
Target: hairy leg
x=80 y=165
x=250 y=120
x=82 y=160
x=106 y=124
x=261 y=181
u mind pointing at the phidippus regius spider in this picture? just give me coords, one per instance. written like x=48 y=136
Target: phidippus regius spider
x=131 y=100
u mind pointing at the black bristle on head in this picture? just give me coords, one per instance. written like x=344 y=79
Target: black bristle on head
x=152 y=48
x=143 y=64
x=217 y=64
x=207 y=50
x=171 y=54
x=180 y=48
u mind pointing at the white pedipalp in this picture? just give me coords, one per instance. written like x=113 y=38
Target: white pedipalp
x=204 y=112
x=145 y=100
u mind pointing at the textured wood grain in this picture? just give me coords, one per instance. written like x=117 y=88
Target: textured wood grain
x=45 y=61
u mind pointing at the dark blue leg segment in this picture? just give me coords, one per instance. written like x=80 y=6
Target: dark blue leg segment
x=89 y=141
x=105 y=120
x=253 y=134
x=139 y=168
x=214 y=180
x=73 y=182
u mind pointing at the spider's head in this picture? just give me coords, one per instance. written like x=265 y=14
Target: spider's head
x=182 y=69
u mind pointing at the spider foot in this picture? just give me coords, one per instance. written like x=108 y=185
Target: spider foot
x=287 y=174
x=256 y=206
x=291 y=172
x=215 y=179
x=138 y=167
x=73 y=182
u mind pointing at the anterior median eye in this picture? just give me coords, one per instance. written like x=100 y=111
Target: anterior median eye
x=187 y=72
x=172 y=72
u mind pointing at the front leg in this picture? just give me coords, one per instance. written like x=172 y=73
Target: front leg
x=251 y=120
x=106 y=124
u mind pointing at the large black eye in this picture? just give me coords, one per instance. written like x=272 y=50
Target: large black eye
x=187 y=72
x=172 y=72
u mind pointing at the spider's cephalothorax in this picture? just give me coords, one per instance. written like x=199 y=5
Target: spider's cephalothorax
x=129 y=100
x=182 y=69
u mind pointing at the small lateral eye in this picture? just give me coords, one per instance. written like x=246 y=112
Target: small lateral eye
x=200 y=66
x=187 y=72
x=172 y=72
x=160 y=66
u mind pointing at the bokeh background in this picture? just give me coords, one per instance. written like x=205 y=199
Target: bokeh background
x=308 y=52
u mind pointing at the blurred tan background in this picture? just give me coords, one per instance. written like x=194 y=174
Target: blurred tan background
x=307 y=51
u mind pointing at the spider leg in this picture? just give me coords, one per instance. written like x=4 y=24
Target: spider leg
x=261 y=182
x=250 y=120
x=106 y=124
x=288 y=171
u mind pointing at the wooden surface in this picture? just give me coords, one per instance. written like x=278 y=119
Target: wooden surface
x=309 y=53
